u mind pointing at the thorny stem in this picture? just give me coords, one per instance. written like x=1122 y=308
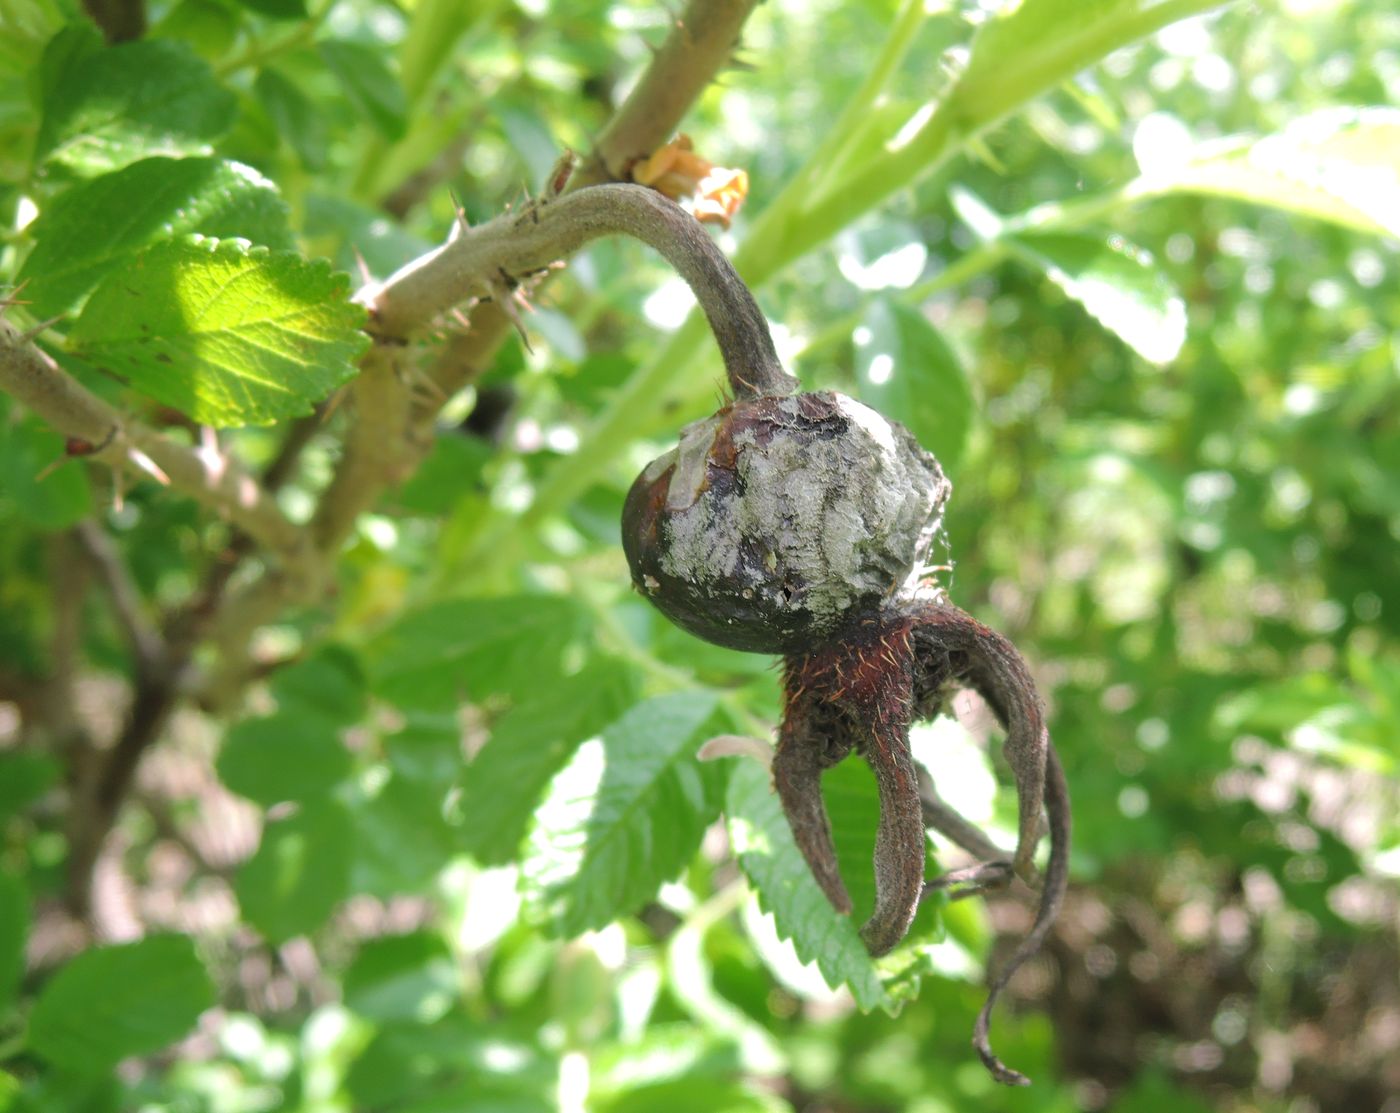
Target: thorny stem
x=521 y=244
x=295 y=559
x=703 y=37
x=33 y=378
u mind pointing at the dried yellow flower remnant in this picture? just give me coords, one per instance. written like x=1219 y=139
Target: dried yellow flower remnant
x=677 y=171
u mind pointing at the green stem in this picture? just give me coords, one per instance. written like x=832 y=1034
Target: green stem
x=259 y=52
x=978 y=261
x=432 y=39
x=797 y=222
x=982 y=97
x=856 y=113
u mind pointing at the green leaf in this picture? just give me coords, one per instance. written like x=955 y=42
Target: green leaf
x=330 y=683
x=210 y=26
x=228 y=334
x=533 y=143
x=664 y=1051
x=626 y=814
x=763 y=842
x=403 y=977
x=277 y=9
x=1118 y=283
x=908 y=372
x=123 y=103
x=354 y=235
x=985 y=222
x=695 y=1095
x=69 y=50
x=14 y=931
x=113 y=1002
x=368 y=83
x=292 y=755
x=24 y=777
x=48 y=489
x=467 y=649
x=300 y=872
x=1028 y=46
x=453 y=1065
x=293 y=117
x=402 y=836
x=1340 y=165
x=530 y=744
x=427 y=752
x=454 y=467
x=98 y=227
x=853 y=807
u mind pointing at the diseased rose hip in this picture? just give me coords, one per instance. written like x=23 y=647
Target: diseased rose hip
x=778 y=519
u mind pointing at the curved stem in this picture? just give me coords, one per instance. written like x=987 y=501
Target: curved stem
x=490 y=260
x=1052 y=897
x=961 y=648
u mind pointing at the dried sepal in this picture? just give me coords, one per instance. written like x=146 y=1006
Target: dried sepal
x=678 y=171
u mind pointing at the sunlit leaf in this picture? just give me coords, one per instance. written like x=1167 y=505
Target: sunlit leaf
x=695 y=1095
x=402 y=977
x=454 y=1064
x=624 y=815
x=277 y=9
x=99 y=227
x=112 y=1002
x=985 y=223
x=888 y=255
x=329 y=683
x=502 y=786
x=402 y=835
x=763 y=842
x=1042 y=43
x=1341 y=165
x=228 y=334
x=1118 y=283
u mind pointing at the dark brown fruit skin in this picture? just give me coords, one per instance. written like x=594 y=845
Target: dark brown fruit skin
x=781 y=520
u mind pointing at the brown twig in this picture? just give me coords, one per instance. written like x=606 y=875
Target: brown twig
x=119 y=20
x=387 y=440
x=474 y=263
x=700 y=45
x=30 y=376
x=147 y=644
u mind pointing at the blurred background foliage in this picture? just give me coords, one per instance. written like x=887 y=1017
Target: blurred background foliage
x=1188 y=521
